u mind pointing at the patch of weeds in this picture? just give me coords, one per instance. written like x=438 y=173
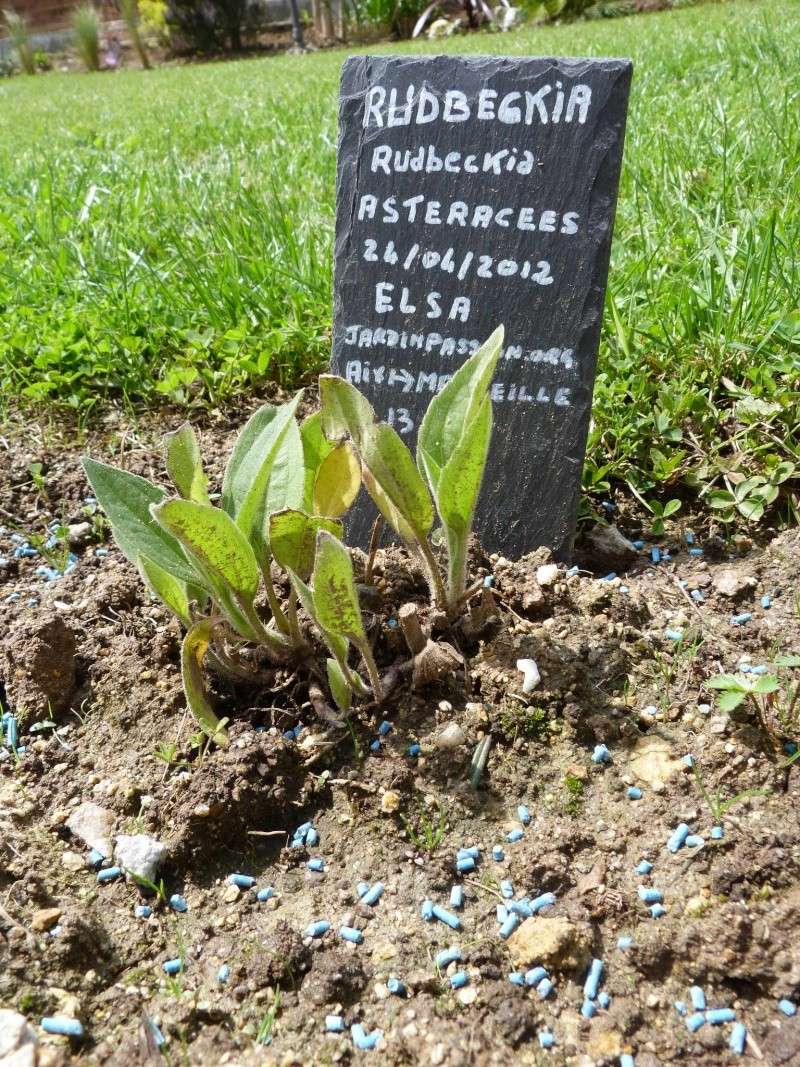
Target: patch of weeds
x=267 y=1024
x=529 y=722
x=575 y=794
x=428 y=830
x=774 y=698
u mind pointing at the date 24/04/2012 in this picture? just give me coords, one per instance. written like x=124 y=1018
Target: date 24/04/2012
x=481 y=265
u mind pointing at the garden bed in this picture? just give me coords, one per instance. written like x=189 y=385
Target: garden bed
x=93 y=647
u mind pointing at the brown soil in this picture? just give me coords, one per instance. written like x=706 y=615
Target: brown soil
x=95 y=658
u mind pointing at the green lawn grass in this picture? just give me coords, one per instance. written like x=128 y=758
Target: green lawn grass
x=169 y=234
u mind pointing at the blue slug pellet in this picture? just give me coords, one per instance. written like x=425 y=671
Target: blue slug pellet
x=384 y=728
x=544 y=988
x=242 y=881
x=546 y=900
x=502 y=913
x=96 y=857
x=695 y=552
x=516 y=978
x=362 y=888
x=498 y=855
x=317 y=929
x=362 y=1040
x=223 y=974
x=173 y=967
x=694 y=841
x=312 y=838
x=267 y=893
x=108 y=874
x=178 y=903
x=592 y=983
x=695 y=1021
x=740 y=620
x=718 y=1016
x=657 y=910
x=655 y=554
x=457 y=896
x=61 y=1024
x=546 y=1039
x=697 y=595
x=473 y=852
x=414 y=750
x=465 y=865
x=673 y=634
x=737 y=1039
x=506 y=889
x=678 y=837
x=523 y=814
x=534 y=976
x=396 y=987
x=142 y=911
x=447 y=956
x=514 y=835
x=766 y=602
x=334 y=1024
x=588 y=1009
x=349 y=933
x=601 y=754
x=459 y=980
x=509 y=926
x=717 y=832
x=680 y=1007
x=626 y=1060
x=688 y=760
x=521 y=907
x=603 y=1000
x=446 y=917
x=644 y=867
x=648 y=895
x=633 y=792
x=787 y=1007
x=624 y=942
x=426 y=911
x=376 y=745
x=698 y=998
x=373 y=895
x=317 y=864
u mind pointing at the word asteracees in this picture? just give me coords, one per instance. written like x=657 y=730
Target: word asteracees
x=549 y=104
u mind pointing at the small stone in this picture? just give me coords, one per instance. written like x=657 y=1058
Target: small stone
x=552 y=941
x=15 y=1035
x=93 y=825
x=604 y=1046
x=652 y=760
x=44 y=918
x=451 y=737
x=231 y=894
x=468 y=995
x=547 y=574
x=731 y=584
x=140 y=855
x=390 y=802
x=72 y=861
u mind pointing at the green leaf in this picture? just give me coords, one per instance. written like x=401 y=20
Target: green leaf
x=278 y=481
x=193 y=651
x=727 y=681
x=338 y=645
x=168 y=588
x=337 y=482
x=185 y=464
x=335 y=595
x=787 y=661
x=752 y=509
x=345 y=412
x=454 y=409
x=767 y=683
x=254 y=447
x=394 y=483
x=293 y=539
x=126 y=499
x=339 y=687
x=460 y=478
x=729 y=700
x=316 y=447
x=783 y=471
x=721 y=499
x=213 y=540
x=671 y=507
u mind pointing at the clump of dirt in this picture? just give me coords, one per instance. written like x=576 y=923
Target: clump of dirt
x=624 y=663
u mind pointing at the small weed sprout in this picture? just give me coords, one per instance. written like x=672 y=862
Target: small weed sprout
x=428 y=831
x=776 y=703
x=575 y=798
x=716 y=805
x=267 y=1025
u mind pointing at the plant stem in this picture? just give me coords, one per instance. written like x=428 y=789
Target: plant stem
x=372 y=670
x=438 y=594
x=272 y=597
x=277 y=646
x=456 y=570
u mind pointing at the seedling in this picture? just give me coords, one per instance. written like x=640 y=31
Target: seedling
x=717 y=806
x=267 y=1026
x=575 y=798
x=777 y=708
x=428 y=832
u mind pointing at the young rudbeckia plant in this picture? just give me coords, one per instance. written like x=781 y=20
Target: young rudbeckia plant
x=452 y=448
x=284 y=491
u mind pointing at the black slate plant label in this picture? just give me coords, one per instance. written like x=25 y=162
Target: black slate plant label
x=475 y=191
